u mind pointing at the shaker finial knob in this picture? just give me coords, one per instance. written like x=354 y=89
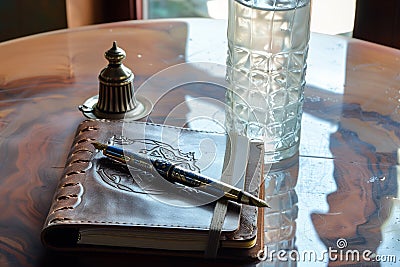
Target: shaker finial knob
x=116 y=99
x=115 y=55
x=116 y=90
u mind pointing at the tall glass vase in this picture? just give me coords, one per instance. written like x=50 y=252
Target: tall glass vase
x=268 y=46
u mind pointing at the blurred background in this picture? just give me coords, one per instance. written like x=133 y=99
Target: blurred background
x=373 y=20
x=329 y=16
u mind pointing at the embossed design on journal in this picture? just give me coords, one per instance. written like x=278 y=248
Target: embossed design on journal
x=158 y=149
x=120 y=177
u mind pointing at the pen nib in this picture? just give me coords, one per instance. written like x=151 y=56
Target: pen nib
x=249 y=199
x=259 y=203
x=99 y=146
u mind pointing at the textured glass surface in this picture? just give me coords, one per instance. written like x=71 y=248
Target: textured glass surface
x=266 y=69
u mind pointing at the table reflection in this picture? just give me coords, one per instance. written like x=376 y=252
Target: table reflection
x=280 y=180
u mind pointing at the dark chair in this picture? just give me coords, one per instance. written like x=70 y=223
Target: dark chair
x=25 y=17
x=378 y=21
x=86 y=12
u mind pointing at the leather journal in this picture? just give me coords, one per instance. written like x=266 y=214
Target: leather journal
x=107 y=206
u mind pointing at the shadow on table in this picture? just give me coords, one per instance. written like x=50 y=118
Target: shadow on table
x=363 y=149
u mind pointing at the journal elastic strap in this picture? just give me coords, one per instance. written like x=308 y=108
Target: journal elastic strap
x=230 y=161
x=216 y=224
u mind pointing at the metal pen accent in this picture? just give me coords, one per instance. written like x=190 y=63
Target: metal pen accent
x=177 y=174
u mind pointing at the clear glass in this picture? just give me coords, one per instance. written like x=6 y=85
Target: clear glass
x=280 y=220
x=268 y=46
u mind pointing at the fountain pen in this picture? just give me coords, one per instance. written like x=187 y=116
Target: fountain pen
x=178 y=175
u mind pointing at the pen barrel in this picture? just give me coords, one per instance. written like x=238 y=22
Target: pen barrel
x=177 y=174
x=167 y=170
x=205 y=183
x=213 y=187
x=171 y=172
x=150 y=164
x=131 y=159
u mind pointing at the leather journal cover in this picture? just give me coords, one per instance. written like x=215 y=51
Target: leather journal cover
x=103 y=205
